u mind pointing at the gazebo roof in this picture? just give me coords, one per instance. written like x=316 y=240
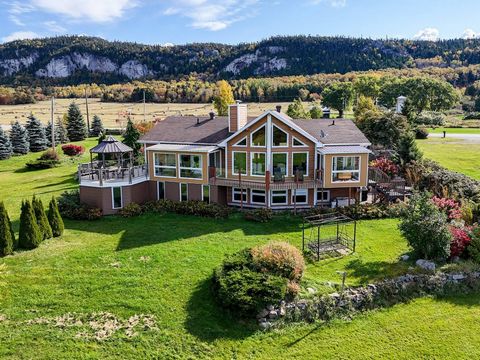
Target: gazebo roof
x=110 y=145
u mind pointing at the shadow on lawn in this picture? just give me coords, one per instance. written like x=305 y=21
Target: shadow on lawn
x=375 y=270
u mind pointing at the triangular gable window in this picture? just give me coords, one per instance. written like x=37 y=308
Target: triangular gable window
x=258 y=137
x=298 y=143
x=242 y=142
x=280 y=137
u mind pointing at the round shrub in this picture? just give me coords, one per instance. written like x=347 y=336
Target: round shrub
x=421 y=133
x=279 y=258
x=130 y=210
x=73 y=150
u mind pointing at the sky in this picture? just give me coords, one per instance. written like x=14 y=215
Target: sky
x=234 y=21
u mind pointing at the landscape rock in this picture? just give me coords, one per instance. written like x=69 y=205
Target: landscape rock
x=425 y=264
x=311 y=290
x=404 y=257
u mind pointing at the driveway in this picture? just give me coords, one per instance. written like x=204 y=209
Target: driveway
x=466 y=137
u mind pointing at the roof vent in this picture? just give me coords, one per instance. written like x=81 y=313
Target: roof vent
x=322 y=134
x=279 y=108
x=212 y=115
x=198 y=121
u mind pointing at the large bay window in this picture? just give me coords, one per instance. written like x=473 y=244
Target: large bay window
x=257 y=197
x=191 y=166
x=345 y=168
x=165 y=164
x=258 y=164
x=279 y=164
x=300 y=163
x=258 y=138
x=239 y=163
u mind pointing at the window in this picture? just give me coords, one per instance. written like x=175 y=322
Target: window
x=279 y=164
x=257 y=196
x=206 y=193
x=239 y=195
x=165 y=165
x=323 y=196
x=257 y=164
x=300 y=163
x=258 y=137
x=183 y=192
x=191 y=166
x=279 y=138
x=299 y=196
x=298 y=143
x=279 y=197
x=117 y=201
x=160 y=190
x=239 y=163
x=242 y=142
x=346 y=168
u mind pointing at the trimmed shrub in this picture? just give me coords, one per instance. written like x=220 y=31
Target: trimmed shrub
x=421 y=133
x=42 y=219
x=55 y=219
x=460 y=241
x=259 y=215
x=30 y=235
x=47 y=160
x=279 y=258
x=130 y=210
x=70 y=207
x=7 y=237
x=73 y=150
x=198 y=208
x=50 y=154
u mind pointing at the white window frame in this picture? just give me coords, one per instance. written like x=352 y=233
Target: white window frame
x=300 y=192
x=251 y=137
x=164 y=166
x=180 y=168
x=286 y=133
x=240 y=191
x=286 y=164
x=298 y=146
x=113 y=197
x=180 y=190
x=233 y=162
x=203 y=194
x=251 y=163
x=255 y=192
x=284 y=193
x=321 y=200
x=345 y=171
x=308 y=161
x=238 y=142
x=158 y=193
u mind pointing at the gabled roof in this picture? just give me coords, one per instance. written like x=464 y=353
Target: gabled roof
x=110 y=145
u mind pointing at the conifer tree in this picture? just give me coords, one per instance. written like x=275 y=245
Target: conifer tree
x=131 y=137
x=61 y=131
x=76 y=127
x=19 y=139
x=30 y=235
x=407 y=149
x=7 y=238
x=97 y=126
x=42 y=220
x=5 y=145
x=36 y=134
x=55 y=219
x=48 y=134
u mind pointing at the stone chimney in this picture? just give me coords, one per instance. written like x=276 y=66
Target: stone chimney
x=237 y=116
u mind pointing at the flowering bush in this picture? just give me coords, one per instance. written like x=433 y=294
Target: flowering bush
x=73 y=150
x=448 y=206
x=460 y=240
x=386 y=165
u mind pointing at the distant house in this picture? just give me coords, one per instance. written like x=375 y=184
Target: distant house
x=267 y=161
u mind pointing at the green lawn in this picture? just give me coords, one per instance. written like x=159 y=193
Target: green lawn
x=454 y=154
x=440 y=130
x=161 y=264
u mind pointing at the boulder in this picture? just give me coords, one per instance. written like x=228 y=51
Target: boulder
x=425 y=264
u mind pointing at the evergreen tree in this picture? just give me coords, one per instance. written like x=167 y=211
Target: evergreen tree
x=130 y=138
x=19 y=139
x=296 y=110
x=55 y=219
x=36 y=134
x=223 y=98
x=5 y=145
x=7 y=238
x=42 y=220
x=407 y=148
x=30 y=235
x=97 y=126
x=61 y=131
x=76 y=127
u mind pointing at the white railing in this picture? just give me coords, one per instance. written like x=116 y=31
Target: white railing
x=87 y=173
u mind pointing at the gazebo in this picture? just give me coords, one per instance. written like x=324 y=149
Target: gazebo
x=111 y=146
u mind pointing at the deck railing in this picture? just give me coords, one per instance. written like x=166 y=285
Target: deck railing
x=88 y=173
x=391 y=187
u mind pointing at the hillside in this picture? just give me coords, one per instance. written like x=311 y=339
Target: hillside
x=72 y=59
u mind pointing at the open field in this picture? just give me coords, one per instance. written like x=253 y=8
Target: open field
x=161 y=264
x=455 y=154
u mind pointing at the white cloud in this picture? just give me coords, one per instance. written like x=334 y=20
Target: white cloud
x=16 y=20
x=20 y=35
x=470 y=34
x=54 y=27
x=430 y=34
x=212 y=15
x=332 y=3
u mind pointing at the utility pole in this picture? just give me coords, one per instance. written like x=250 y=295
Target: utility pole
x=88 y=117
x=144 y=108
x=52 y=111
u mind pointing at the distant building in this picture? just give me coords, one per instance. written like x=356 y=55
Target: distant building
x=400 y=104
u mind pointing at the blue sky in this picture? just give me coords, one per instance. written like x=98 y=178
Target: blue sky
x=234 y=21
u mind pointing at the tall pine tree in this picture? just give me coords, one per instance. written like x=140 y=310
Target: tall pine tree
x=36 y=134
x=5 y=145
x=76 y=127
x=130 y=138
x=42 y=220
x=7 y=237
x=19 y=139
x=30 y=235
x=55 y=219
x=61 y=131
x=97 y=126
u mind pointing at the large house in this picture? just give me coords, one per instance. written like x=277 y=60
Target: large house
x=267 y=161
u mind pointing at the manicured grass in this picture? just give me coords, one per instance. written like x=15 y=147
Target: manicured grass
x=460 y=156
x=455 y=130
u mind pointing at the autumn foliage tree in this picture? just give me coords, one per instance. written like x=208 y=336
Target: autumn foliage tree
x=223 y=98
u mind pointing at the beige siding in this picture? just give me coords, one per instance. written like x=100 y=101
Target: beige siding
x=363 y=172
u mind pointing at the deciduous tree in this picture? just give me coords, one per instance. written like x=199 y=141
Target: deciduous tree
x=223 y=98
x=338 y=96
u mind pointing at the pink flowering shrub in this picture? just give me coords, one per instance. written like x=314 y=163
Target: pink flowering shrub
x=449 y=206
x=386 y=165
x=460 y=240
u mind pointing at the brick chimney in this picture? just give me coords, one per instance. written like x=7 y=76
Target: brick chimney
x=237 y=116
